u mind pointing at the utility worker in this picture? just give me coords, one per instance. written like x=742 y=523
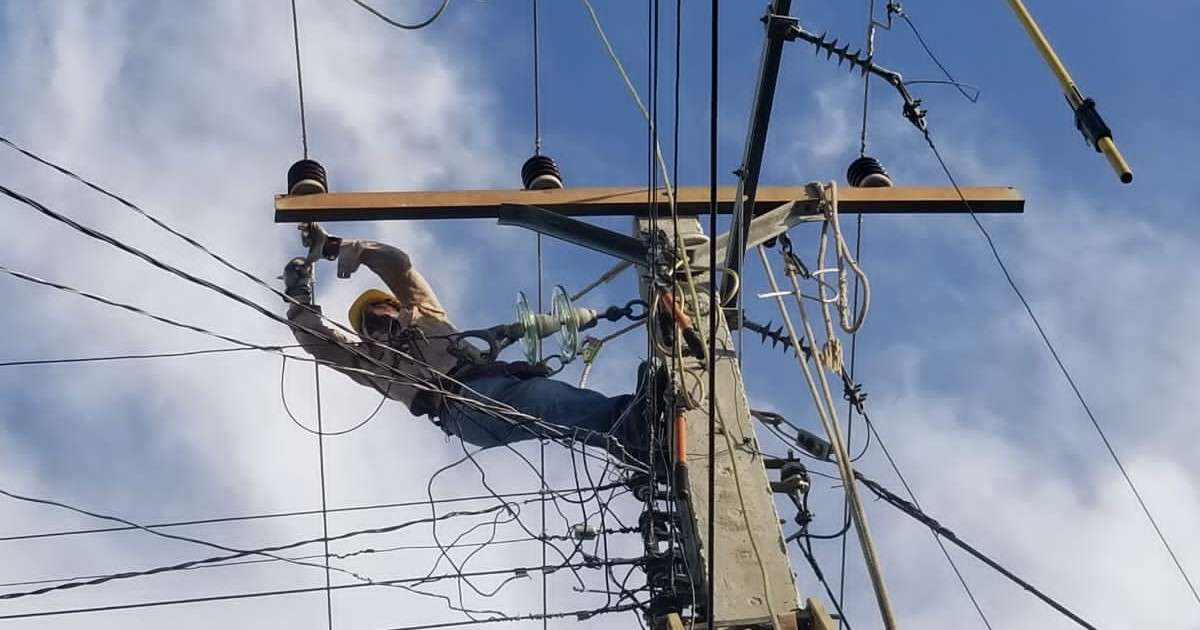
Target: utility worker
x=408 y=321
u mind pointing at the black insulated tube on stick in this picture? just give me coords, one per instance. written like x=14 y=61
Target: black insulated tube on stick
x=1087 y=119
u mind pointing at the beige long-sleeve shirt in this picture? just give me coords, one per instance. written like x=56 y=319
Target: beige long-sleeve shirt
x=419 y=309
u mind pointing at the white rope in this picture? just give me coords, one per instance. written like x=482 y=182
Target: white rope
x=829 y=203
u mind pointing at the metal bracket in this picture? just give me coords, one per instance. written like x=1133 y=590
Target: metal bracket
x=574 y=231
x=780 y=26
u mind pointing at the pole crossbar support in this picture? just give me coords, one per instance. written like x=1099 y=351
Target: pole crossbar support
x=629 y=201
x=777 y=25
x=593 y=237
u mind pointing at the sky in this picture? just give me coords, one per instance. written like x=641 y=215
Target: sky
x=190 y=111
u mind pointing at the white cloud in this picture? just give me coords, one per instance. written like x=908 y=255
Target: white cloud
x=979 y=417
x=193 y=115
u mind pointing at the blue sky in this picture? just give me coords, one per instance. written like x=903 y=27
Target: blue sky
x=191 y=112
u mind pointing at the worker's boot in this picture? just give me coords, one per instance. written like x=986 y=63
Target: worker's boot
x=655 y=382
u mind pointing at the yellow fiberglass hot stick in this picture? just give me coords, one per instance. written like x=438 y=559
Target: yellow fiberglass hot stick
x=1087 y=119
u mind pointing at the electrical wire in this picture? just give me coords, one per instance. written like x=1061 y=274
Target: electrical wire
x=401 y=25
x=862 y=144
x=124 y=357
x=1063 y=368
x=558 y=433
x=233 y=552
x=580 y=615
x=537 y=90
x=710 y=591
x=812 y=562
x=338 y=556
x=862 y=151
x=221 y=290
x=637 y=99
x=943 y=532
x=537 y=150
x=280 y=592
x=872 y=430
x=299 y=80
x=949 y=78
x=277 y=350
x=318 y=432
x=340 y=570
x=111 y=242
x=312 y=512
x=324 y=506
x=358 y=577
x=823 y=401
x=133 y=309
x=124 y=202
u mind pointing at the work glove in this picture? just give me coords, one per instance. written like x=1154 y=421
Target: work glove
x=298 y=280
x=350 y=257
x=320 y=243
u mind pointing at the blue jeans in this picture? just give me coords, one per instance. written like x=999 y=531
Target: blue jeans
x=581 y=414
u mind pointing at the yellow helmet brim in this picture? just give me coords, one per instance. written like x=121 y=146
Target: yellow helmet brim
x=368 y=297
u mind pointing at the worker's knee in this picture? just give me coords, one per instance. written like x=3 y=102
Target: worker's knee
x=484 y=429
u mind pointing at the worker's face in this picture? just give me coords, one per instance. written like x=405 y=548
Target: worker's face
x=379 y=319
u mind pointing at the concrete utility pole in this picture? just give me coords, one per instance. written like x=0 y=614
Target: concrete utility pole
x=754 y=585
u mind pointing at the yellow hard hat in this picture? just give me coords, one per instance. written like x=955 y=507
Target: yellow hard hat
x=368 y=297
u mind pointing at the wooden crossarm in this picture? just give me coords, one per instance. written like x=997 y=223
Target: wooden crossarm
x=627 y=201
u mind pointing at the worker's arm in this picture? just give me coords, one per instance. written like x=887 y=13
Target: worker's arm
x=395 y=268
x=328 y=344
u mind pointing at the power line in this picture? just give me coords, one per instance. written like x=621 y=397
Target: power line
x=124 y=357
x=1063 y=368
x=319 y=432
x=560 y=433
x=128 y=307
x=339 y=556
x=912 y=495
x=921 y=40
x=272 y=515
x=862 y=144
x=166 y=320
x=578 y=614
x=713 y=305
x=324 y=507
x=401 y=25
x=96 y=234
x=299 y=80
x=537 y=150
x=296 y=591
x=234 y=552
x=812 y=562
x=862 y=151
x=537 y=91
x=149 y=217
x=940 y=530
